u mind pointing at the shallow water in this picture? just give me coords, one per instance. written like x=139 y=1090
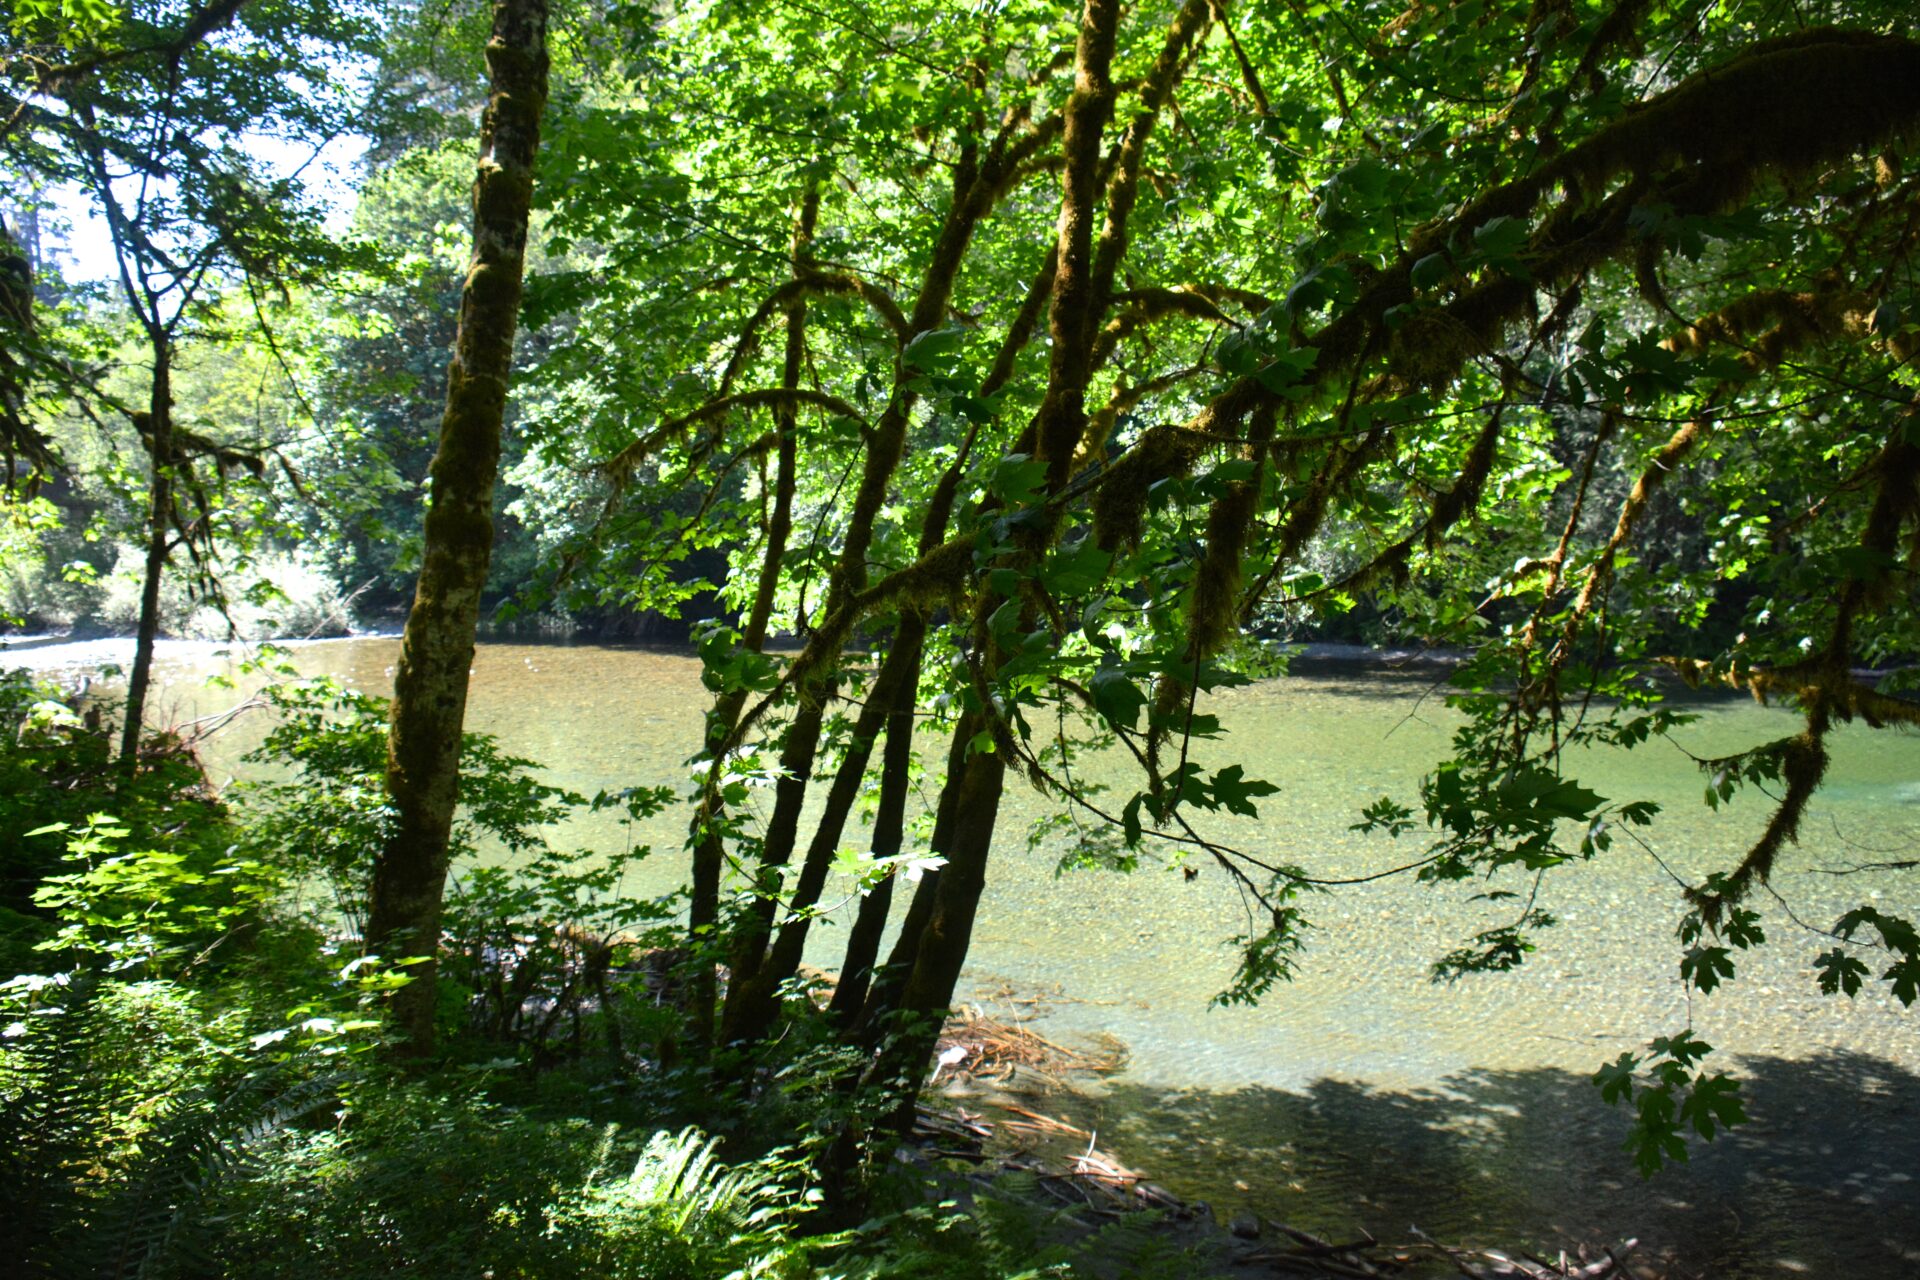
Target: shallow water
x=1362 y=1094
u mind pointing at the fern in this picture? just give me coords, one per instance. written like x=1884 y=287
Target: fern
x=679 y=1178
x=153 y=1223
x=50 y=1125
x=77 y=1207
x=681 y=1213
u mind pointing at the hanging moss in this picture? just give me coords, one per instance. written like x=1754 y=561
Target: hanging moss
x=1844 y=696
x=938 y=578
x=1803 y=763
x=1213 y=613
x=1120 y=504
x=1824 y=684
x=1783 y=108
x=1768 y=325
x=1427 y=349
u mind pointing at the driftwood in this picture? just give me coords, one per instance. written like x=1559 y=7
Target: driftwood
x=976 y=1045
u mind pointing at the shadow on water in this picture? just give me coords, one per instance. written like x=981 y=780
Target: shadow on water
x=1824 y=1180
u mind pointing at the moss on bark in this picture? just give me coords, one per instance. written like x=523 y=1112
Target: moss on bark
x=436 y=652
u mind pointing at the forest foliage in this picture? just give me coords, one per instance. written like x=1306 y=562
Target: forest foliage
x=984 y=386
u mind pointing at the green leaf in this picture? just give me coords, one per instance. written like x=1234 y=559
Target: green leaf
x=1073 y=570
x=1363 y=182
x=1685 y=1048
x=1500 y=238
x=1706 y=967
x=1840 y=972
x=1905 y=977
x=1117 y=698
x=1235 y=792
x=1327 y=283
x=1238 y=354
x=1017 y=479
x=1615 y=1079
x=1742 y=928
x=1288 y=370
x=1713 y=1104
x=934 y=351
x=1431 y=271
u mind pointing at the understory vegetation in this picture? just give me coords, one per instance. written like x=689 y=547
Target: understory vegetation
x=979 y=389
x=193 y=1084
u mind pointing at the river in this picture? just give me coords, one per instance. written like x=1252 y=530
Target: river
x=1362 y=1094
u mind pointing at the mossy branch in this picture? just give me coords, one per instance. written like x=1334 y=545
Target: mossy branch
x=1845 y=696
x=1824 y=684
x=804 y=285
x=622 y=465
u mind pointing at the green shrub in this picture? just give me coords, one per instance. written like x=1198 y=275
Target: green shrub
x=56 y=772
x=531 y=933
x=432 y=1184
x=156 y=911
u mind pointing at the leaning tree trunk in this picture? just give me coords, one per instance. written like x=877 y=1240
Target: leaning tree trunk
x=159 y=441
x=973 y=793
x=436 y=653
x=708 y=841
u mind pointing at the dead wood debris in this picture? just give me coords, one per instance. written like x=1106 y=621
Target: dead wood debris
x=976 y=1045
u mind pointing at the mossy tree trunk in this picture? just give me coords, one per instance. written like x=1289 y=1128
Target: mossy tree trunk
x=154 y=429
x=979 y=781
x=159 y=441
x=436 y=653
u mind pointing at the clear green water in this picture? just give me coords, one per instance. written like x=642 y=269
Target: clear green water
x=1362 y=1094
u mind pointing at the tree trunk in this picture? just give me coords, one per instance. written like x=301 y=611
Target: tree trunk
x=928 y=991
x=436 y=652
x=872 y=1022
x=159 y=442
x=889 y=829
x=709 y=839
x=752 y=1001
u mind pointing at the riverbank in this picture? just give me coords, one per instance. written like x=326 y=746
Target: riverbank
x=992 y=1132
x=53 y=649
x=51 y=652
x=1362 y=1096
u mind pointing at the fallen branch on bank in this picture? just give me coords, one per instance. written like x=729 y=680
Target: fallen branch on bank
x=976 y=1045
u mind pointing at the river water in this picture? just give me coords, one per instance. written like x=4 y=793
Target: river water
x=1362 y=1095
